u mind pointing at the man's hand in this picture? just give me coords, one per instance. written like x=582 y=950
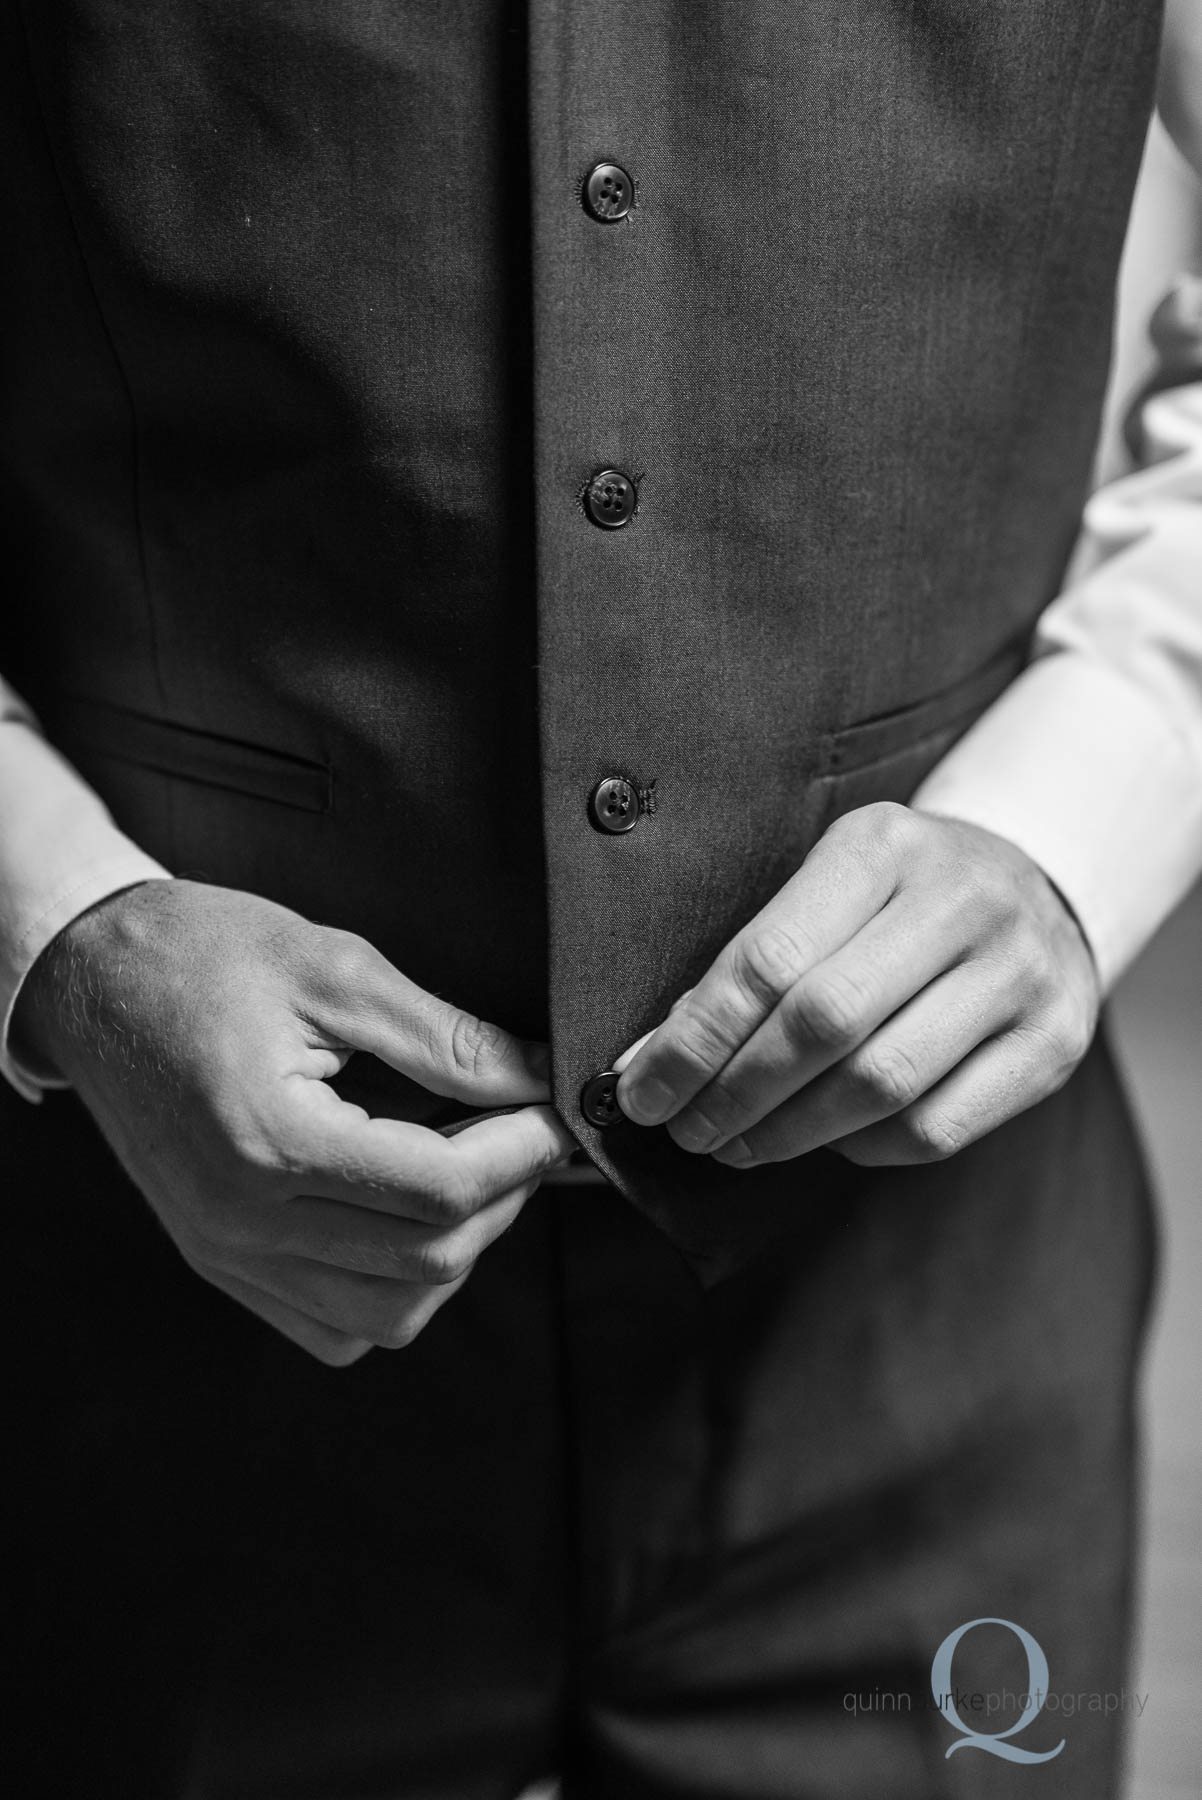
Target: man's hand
x=916 y=983
x=199 y=1026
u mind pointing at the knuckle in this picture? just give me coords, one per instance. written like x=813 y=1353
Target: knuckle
x=1054 y=1039
x=883 y=824
x=977 y=902
x=342 y=957
x=1042 y=983
x=826 y=1009
x=890 y=818
x=476 y=1046
x=700 y=1039
x=1024 y=967
x=443 y=1261
x=888 y=1075
x=463 y=1190
x=933 y=1136
x=767 y=962
x=455 y=1194
x=398 y=1332
x=1069 y=1037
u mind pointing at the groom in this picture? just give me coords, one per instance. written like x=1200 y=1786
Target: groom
x=509 y=511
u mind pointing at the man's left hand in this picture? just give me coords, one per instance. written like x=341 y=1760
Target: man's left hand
x=915 y=984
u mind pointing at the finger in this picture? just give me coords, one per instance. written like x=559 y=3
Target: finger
x=372 y=1243
x=628 y=1056
x=842 y=884
x=995 y=1083
x=824 y=1017
x=370 y=1005
x=330 y=1346
x=409 y=1171
x=889 y=1071
x=368 y=1308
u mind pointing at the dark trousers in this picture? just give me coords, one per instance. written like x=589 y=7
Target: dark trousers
x=669 y=1542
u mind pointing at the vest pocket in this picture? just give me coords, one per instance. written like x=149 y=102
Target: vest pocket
x=885 y=758
x=877 y=739
x=84 y=729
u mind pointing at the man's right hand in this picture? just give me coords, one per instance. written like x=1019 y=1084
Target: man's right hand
x=200 y=1025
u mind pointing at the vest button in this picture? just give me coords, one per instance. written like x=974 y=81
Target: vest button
x=609 y=499
x=599 y=1099
x=613 y=805
x=608 y=193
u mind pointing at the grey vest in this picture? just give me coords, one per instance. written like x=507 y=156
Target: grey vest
x=313 y=349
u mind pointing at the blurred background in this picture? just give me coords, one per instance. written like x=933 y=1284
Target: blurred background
x=1156 y=1021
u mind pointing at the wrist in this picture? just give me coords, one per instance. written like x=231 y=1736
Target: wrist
x=58 y=999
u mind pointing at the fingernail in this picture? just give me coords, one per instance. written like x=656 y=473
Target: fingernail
x=647 y=1101
x=538 y=1060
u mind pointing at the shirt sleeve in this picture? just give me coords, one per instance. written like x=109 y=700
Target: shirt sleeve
x=1091 y=762
x=60 y=853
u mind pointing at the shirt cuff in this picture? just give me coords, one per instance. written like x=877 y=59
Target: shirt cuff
x=125 y=866
x=1079 y=768
x=60 y=853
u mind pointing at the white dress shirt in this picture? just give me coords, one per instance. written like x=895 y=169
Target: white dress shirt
x=1091 y=761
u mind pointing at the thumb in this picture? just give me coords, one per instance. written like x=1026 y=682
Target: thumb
x=372 y=1006
x=629 y=1054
